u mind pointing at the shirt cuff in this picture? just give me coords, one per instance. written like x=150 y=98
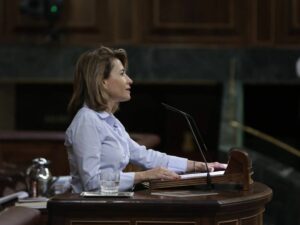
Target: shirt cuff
x=126 y=181
x=177 y=164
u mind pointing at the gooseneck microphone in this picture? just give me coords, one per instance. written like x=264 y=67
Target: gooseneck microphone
x=190 y=119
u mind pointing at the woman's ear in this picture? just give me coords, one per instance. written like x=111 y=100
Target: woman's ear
x=104 y=84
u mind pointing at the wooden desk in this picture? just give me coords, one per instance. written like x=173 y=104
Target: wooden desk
x=228 y=207
x=19 y=148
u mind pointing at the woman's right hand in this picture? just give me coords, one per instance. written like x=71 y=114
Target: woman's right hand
x=156 y=173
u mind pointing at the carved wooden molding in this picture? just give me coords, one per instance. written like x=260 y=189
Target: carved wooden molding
x=219 y=24
x=192 y=21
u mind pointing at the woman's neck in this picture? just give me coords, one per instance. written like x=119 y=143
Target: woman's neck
x=111 y=106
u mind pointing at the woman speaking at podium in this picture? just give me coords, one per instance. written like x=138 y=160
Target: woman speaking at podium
x=96 y=140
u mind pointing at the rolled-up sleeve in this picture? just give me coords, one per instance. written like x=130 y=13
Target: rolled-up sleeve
x=177 y=164
x=150 y=158
x=126 y=181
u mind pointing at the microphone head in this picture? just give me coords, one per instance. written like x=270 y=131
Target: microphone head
x=166 y=105
x=174 y=109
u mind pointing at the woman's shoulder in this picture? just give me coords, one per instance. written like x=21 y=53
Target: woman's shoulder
x=84 y=121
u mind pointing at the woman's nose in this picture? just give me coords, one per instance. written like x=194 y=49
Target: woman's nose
x=129 y=79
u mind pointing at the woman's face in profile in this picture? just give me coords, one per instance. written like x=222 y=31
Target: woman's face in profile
x=118 y=84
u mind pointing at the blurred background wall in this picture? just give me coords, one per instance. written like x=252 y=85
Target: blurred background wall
x=220 y=60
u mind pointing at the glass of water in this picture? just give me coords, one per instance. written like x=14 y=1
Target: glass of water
x=109 y=181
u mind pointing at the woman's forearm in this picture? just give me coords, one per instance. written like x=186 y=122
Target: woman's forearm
x=155 y=173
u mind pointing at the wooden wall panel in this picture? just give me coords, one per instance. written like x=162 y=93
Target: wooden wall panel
x=20 y=27
x=87 y=20
x=263 y=23
x=122 y=14
x=201 y=22
x=288 y=22
x=82 y=21
x=182 y=21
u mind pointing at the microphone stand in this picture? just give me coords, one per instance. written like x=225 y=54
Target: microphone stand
x=188 y=117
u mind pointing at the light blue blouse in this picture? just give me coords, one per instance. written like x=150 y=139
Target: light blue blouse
x=97 y=141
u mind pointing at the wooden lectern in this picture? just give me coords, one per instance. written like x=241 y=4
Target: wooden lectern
x=238 y=206
x=238 y=172
x=218 y=207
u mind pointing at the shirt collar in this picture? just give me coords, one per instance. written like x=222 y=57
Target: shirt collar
x=109 y=118
x=103 y=114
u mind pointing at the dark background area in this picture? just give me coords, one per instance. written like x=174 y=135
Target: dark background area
x=143 y=114
x=274 y=110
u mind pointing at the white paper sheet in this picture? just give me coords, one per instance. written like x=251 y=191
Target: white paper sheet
x=195 y=175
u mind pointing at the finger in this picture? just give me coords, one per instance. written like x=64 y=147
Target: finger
x=221 y=166
x=218 y=166
x=211 y=168
x=175 y=176
x=171 y=175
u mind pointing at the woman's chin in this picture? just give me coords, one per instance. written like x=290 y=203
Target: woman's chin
x=126 y=99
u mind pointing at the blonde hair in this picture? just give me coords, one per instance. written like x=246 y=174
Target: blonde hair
x=91 y=69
